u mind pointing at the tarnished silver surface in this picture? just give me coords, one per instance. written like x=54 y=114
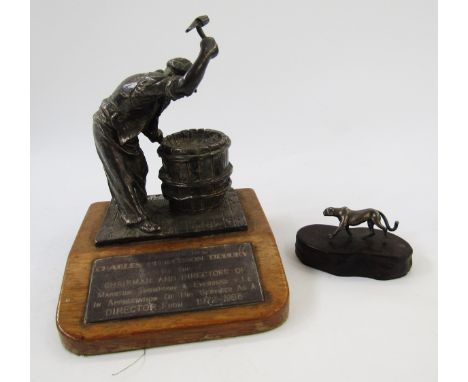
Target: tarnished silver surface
x=228 y=217
x=123 y=287
x=134 y=108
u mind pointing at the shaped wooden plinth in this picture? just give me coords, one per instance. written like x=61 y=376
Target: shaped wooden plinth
x=171 y=328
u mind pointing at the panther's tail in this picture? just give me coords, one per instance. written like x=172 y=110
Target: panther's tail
x=388 y=225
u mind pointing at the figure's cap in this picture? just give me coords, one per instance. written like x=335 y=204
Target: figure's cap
x=179 y=65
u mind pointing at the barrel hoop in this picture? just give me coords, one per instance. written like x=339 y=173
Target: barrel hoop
x=205 y=196
x=167 y=180
x=187 y=157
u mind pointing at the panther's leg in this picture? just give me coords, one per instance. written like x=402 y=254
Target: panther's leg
x=379 y=224
x=370 y=223
x=338 y=229
x=348 y=231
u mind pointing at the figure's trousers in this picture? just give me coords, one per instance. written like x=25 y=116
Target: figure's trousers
x=126 y=169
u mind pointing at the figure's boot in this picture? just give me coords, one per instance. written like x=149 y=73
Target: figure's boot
x=148 y=226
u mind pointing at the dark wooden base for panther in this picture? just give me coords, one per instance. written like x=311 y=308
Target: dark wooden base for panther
x=90 y=336
x=377 y=257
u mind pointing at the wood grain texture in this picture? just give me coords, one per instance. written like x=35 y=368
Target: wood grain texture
x=168 y=329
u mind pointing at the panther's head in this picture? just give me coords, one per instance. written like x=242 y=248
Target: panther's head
x=330 y=211
x=335 y=211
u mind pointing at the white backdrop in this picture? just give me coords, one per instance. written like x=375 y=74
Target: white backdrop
x=327 y=103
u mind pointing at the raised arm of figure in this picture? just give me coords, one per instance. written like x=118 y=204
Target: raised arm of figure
x=187 y=84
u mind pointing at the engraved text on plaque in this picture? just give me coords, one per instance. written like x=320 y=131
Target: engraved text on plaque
x=155 y=283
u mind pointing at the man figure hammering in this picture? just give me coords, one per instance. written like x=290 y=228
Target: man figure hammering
x=134 y=108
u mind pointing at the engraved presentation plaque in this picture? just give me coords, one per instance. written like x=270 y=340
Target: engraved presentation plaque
x=124 y=287
x=165 y=291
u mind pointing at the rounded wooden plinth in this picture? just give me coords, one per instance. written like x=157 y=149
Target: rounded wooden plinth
x=377 y=257
x=172 y=328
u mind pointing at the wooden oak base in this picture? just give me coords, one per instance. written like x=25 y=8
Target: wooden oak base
x=172 y=328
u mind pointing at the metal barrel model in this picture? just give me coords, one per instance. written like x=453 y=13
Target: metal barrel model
x=195 y=170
